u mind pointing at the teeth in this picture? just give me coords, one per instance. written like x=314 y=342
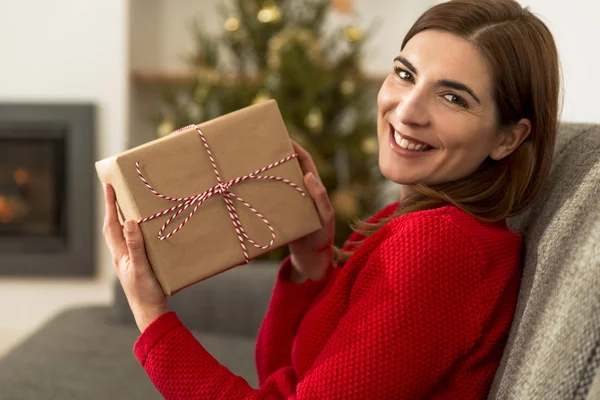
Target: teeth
x=405 y=144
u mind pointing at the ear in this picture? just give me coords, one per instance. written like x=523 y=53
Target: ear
x=510 y=139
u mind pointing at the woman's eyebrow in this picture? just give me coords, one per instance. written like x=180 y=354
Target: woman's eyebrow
x=459 y=86
x=442 y=82
x=407 y=63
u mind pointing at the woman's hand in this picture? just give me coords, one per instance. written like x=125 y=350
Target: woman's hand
x=126 y=244
x=311 y=255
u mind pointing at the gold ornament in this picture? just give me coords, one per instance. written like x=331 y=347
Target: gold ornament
x=165 y=127
x=270 y=13
x=353 y=34
x=347 y=87
x=262 y=95
x=370 y=145
x=314 y=120
x=232 y=24
x=345 y=203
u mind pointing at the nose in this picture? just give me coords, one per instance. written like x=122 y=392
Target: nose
x=412 y=109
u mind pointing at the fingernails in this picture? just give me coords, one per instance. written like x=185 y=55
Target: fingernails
x=311 y=179
x=129 y=226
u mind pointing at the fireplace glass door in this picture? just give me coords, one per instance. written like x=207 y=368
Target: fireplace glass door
x=32 y=187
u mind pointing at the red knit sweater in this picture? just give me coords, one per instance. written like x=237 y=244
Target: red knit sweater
x=421 y=310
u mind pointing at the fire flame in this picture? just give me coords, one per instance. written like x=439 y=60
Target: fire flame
x=21 y=176
x=7 y=211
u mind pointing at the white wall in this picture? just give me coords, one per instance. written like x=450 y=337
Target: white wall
x=70 y=50
x=161 y=35
x=574 y=25
x=53 y=51
x=161 y=39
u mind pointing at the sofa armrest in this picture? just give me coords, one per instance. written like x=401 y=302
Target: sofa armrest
x=233 y=302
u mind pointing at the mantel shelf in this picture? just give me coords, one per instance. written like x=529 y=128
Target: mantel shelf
x=156 y=77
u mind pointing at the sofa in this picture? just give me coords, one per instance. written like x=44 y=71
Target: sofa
x=553 y=348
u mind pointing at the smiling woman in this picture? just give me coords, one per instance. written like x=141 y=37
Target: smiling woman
x=423 y=303
x=476 y=84
x=432 y=99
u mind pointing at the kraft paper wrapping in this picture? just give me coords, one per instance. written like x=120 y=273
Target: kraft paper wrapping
x=178 y=165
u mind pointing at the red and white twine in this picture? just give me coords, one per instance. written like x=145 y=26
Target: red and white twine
x=221 y=188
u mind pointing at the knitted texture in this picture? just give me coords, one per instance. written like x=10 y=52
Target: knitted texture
x=421 y=310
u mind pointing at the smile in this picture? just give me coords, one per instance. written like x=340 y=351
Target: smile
x=405 y=146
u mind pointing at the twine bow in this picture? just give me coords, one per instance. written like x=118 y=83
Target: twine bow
x=222 y=189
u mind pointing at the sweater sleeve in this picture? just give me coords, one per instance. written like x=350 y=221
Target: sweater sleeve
x=413 y=312
x=289 y=302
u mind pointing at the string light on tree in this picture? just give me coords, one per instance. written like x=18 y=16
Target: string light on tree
x=232 y=24
x=195 y=111
x=200 y=93
x=314 y=120
x=270 y=13
x=262 y=95
x=273 y=81
x=370 y=145
x=347 y=87
x=165 y=127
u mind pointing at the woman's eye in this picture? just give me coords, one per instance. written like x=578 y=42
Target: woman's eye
x=455 y=99
x=403 y=74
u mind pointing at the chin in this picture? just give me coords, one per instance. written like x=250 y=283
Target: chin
x=399 y=177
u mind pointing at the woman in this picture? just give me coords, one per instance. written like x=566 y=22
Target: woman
x=422 y=300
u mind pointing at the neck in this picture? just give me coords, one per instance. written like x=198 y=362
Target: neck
x=406 y=190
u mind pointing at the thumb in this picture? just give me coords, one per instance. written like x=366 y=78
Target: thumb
x=135 y=243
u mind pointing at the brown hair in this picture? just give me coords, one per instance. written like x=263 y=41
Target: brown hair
x=522 y=56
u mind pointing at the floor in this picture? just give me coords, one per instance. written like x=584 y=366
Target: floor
x=25 y=304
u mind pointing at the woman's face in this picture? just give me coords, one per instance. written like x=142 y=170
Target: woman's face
x=439 y=93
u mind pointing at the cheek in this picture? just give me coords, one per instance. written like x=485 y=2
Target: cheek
x=465 y=150
x=385 y=98
x=464 y=135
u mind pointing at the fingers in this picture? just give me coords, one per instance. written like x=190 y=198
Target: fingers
x=113 y=233
x=321 y=198
x=135 y=245
x=305 y=160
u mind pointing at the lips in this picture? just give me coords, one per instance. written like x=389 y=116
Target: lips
x=410 y=139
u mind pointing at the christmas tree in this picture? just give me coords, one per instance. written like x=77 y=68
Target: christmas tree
x=280 y=49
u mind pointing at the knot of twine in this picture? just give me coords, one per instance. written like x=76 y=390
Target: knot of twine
x=221 y=189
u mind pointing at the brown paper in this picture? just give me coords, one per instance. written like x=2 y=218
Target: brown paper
x=178 y=166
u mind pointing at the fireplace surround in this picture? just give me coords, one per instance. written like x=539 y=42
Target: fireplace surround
x=47 y=180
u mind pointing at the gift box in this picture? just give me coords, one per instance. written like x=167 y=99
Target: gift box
x=213 y=196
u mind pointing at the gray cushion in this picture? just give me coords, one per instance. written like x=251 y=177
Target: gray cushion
x=233 y=302
x=556 y=330
x=81 y=354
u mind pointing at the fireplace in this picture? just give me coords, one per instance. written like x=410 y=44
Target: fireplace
x=46 y=190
